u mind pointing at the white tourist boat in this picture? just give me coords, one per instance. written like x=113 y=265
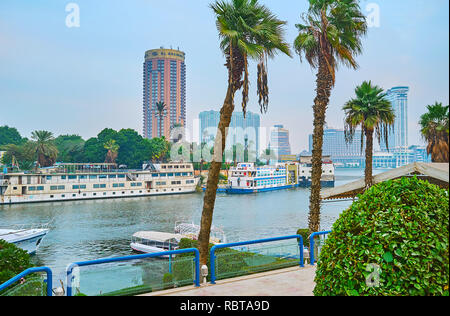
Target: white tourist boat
x=248 y=178
x=155 y=242
x=27 y=238
x=68 y=182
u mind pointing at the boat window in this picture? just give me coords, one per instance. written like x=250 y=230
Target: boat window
x=92 y=177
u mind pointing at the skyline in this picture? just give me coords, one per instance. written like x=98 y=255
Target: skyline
x=81 y=80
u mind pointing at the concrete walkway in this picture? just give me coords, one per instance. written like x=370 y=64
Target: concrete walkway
x=294 y=281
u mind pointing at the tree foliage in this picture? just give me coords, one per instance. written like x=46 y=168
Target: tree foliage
x=434 y=129
x=13 y=260
x=10 y=135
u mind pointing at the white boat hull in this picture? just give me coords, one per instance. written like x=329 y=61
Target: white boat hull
x=149 y=249
x=41 y=198
x=28 y=240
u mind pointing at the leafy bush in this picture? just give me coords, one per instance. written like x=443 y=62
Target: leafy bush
x=304 y=232
x=13 y=260
x=402 y=226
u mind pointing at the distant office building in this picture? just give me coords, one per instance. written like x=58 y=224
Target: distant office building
x=418 y=154
x=244 y=131
x=398 y=139
x=342 y=154
x=164 y=81
x=384 y=160
x=279 y=141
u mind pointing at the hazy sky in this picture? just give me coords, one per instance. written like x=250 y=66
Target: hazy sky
x=81 y=80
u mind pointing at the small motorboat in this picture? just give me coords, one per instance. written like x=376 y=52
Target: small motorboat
x=154 y=242
x=29 y=239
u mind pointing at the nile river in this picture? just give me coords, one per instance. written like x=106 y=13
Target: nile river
x=86 y=230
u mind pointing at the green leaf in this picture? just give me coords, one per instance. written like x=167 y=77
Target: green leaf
x=388 y=257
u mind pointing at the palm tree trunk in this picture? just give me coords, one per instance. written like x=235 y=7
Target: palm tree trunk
x=369 y=157
x=160 y=125
x=324 y=83
x=213 y=176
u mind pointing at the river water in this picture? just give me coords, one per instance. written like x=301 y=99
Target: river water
x=86 y=230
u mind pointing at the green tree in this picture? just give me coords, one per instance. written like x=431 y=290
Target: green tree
x=331 y=35
x=248 y=30
x=160 y=109
x=374 y=113
x=159 y=148
x=434 y=129
x=20 y=156
x=44 y=147
x=113 y=150
x=10 y=135
x=94 y=150
x=70 y=148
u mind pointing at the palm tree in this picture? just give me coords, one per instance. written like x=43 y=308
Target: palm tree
x=331 y=35
x=160 y=108
x=248 y=30
x=434 y=130
x=113 y=150
x=44 y=147
x=374 y=113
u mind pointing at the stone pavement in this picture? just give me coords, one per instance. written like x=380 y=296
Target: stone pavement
x=294 y=281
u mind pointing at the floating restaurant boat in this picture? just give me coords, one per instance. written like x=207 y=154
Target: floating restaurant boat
x=27 y=238
x=66 y=182
x=247 y=178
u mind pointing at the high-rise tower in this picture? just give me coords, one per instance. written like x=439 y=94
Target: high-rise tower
x=164 y=81
x=398 y=139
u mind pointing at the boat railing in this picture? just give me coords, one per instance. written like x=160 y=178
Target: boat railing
x=25 y=227
x=263 y=258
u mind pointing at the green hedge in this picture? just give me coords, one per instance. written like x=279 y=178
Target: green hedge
x=15 y=260
x=403 y=227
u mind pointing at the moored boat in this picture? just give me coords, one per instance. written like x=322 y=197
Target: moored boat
x=247 y=178
x=68 y=182
x=29 y=239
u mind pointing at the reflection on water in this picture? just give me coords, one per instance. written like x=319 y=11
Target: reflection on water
x=86 y=230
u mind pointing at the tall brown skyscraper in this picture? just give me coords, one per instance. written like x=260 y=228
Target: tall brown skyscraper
x=164 y=81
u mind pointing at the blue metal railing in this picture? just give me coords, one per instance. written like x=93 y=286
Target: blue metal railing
x=311 y=245
x=135 y=257
x=251 y=242
x=47 y=270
